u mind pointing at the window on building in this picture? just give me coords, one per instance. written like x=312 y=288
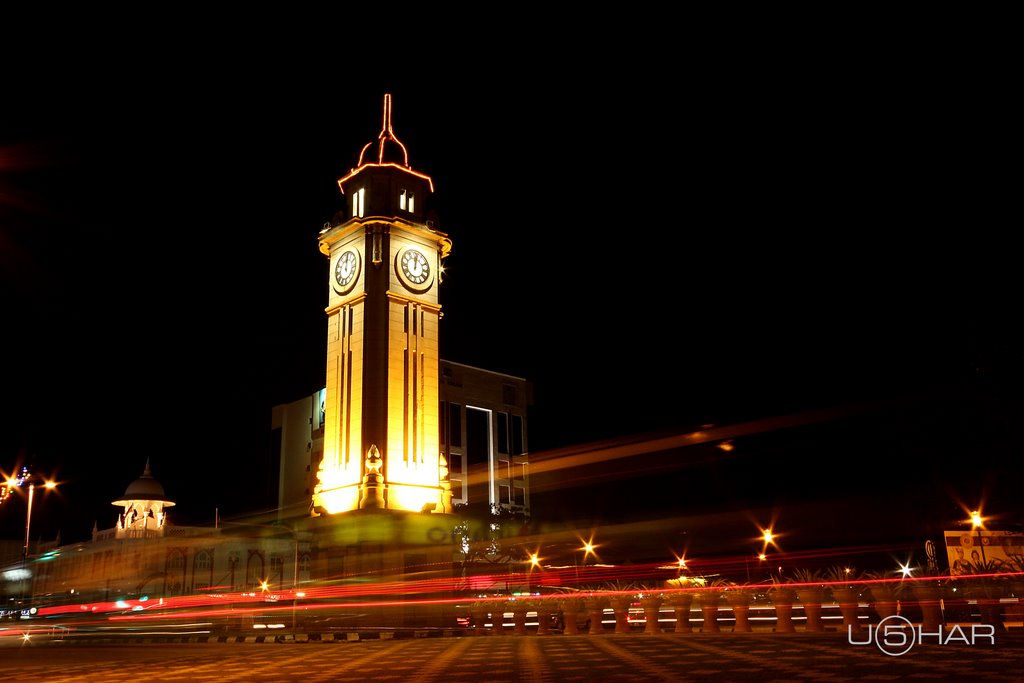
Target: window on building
x=502 y=433
x=202 y=570
x=277 y=568
x=176 y=560
x=457 y=490
x=254 y=572
x=174 y=582
x=505 y=494
x=520 y=496
x=517 y=435
x=203 y=560
x=455 y=463
x=478 y=437
x=407 y=201
x=358 y=207
x=455 y=425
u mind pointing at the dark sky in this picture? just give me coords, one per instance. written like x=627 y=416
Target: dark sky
x=709 y=241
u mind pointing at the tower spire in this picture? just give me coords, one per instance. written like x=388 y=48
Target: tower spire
x=387 y=135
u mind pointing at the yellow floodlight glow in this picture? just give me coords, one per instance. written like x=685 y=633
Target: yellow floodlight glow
x=976 y=519
x=534 y=560
x=905 y=570
x=264 y=586
x=50 y=485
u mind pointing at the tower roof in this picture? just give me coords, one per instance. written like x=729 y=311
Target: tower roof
x=387 y=150
x=145 y=488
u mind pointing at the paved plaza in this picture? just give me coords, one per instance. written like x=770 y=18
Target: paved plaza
x=609 y=657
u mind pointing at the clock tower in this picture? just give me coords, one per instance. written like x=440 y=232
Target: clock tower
x=381 y=438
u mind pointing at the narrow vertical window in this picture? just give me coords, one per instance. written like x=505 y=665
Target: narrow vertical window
x=517 y=435
x=455 y=425
x=357 y=202
x=503 y=433
x=407 y=201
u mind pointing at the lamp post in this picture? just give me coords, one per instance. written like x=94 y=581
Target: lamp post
x=28 y=516
x=48 y=485
x=977 y=521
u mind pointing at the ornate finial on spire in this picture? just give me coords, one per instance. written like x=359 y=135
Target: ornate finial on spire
x=146 y=472
x=390 y=151
x=387 y=134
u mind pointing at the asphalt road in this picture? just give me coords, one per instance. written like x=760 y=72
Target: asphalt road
x=633 y=657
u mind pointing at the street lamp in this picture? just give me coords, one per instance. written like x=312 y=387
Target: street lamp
x=977 y=523
x=48 y=485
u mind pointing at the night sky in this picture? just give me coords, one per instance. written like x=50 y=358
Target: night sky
x=711 y=242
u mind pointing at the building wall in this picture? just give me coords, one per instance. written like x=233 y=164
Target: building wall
x=298 y=431
x=496 y=473
x=484 y=436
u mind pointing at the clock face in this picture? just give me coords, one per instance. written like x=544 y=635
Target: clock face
x=415 y=266
x=346 y=268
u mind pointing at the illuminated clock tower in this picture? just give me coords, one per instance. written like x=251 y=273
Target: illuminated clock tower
x=381 y=447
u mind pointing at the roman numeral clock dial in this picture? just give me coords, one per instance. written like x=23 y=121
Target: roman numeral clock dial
x=413 y=269
x=346 y=271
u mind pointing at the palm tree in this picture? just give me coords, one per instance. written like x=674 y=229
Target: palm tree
x=810 y=589
x=846 y=584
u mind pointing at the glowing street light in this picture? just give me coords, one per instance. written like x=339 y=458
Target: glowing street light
x=978 y=523
x=49 y=485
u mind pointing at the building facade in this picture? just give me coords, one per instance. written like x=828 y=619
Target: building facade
x=482 y=437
